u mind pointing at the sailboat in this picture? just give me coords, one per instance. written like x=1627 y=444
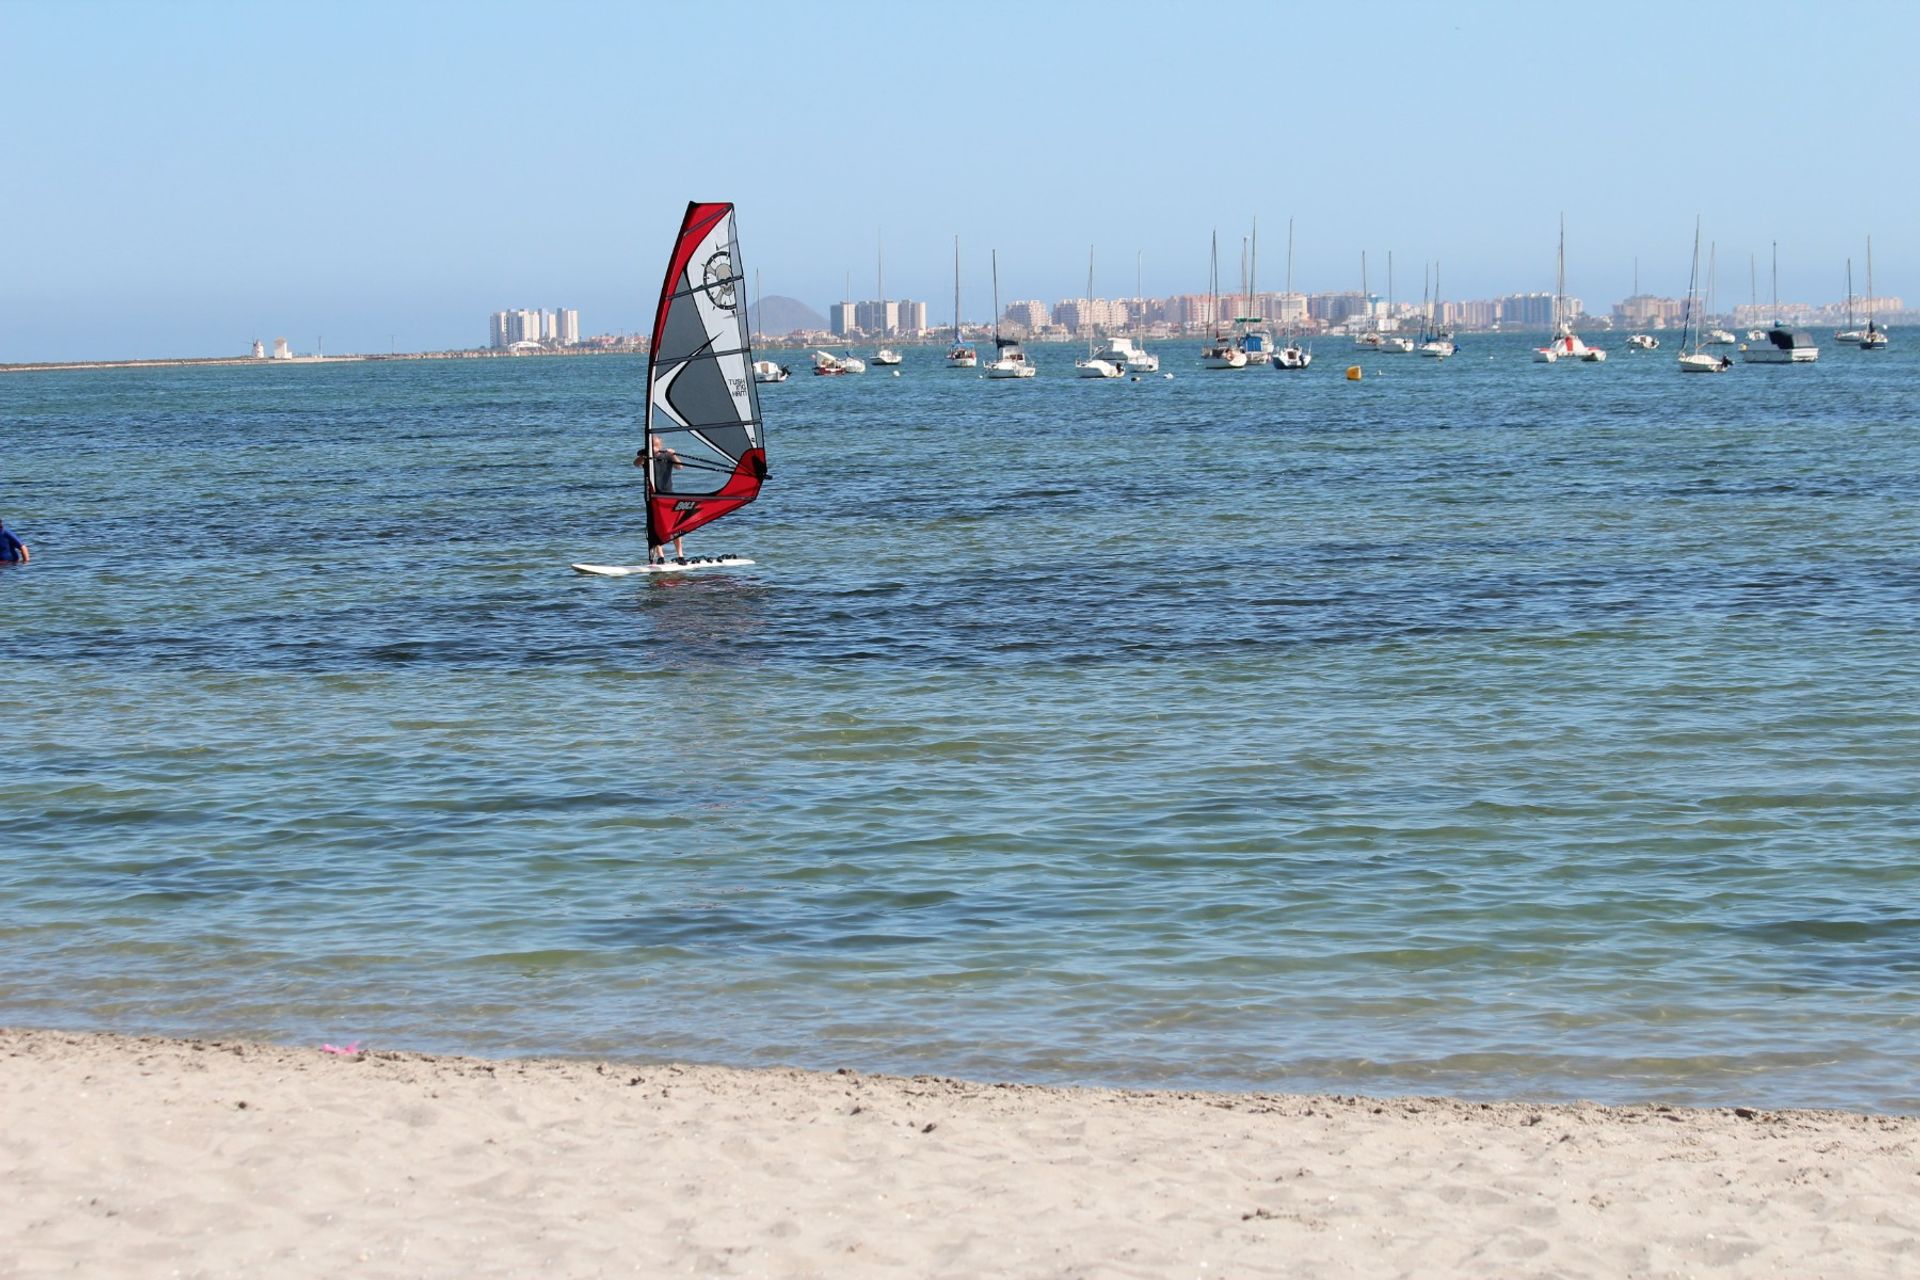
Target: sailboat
x=1780 y=344
x=1875 y=338
x=1093 y=366
x=1392 y=344
x=1120 y=352
x=885 y=355
x=1291 y=356
x=703 y=453
x=1435 y=344
x=1256 y=344
x=1849 y=334
x=1010 y=361
x=765 y=370
x=961 y=354
x=1715 y=337
x=1221 y=353
x=1565 y=343
x=1692 y=358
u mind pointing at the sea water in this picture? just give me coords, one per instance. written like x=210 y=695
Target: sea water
x=1478 y=727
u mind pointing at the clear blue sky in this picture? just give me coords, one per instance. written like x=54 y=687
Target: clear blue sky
x=181 y=178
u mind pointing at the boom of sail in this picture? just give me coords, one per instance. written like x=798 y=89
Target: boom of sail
x=702 y=403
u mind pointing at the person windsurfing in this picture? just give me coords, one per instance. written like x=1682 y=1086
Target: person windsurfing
x=663 y=461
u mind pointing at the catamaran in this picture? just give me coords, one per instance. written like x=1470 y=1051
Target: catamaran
x=703 y=453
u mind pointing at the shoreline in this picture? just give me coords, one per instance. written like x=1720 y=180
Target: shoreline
x=142 y=1155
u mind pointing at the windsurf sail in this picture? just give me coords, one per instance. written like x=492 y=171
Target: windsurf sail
x=704 y=441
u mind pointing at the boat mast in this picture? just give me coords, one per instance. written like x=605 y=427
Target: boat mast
x=1253 y=275
x=996 y=304
x=1560 y=276
x=1087 y=319
x=1776 y=282
x=1390 y=286
x=956 y=291
x=1870 y=328
x=1289 y=271
x=1366 y=297
x=1850 y=290
x=1687 y=325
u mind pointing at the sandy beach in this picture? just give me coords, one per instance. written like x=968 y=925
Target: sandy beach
x=137 y=1157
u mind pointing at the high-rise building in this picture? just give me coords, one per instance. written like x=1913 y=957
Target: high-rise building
x=913 y=317
x=877 y=317
x=1029 y=312
x=566 y=326
x=497 y=330
x=840 y=319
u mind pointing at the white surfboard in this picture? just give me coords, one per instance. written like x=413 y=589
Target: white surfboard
x=667 y=566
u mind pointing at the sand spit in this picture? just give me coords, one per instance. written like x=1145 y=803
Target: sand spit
x=145 y=1157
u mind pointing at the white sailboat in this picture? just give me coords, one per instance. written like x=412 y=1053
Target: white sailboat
x=1435 y=344
x=1255 y=343
x=1392 y=344
x=1850 y=334
x=1692 y=358
x=961 y=355
x=1292 y=356
x=1220 y=353
x=1121 y=352
x=1875 y=338
x=1565 y=343
x=885 y=355
x=1369 y=336
x=765 y=371
x=704 y=449
x=1093 y=366
x=1009 y=360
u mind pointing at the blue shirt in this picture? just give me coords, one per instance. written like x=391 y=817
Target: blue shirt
x=10 y=549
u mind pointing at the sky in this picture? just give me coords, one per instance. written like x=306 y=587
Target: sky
x=178 y=179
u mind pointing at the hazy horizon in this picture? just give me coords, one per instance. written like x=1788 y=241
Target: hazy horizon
x=385 y=179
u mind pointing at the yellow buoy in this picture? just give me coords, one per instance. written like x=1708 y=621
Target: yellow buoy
x=1353 y=373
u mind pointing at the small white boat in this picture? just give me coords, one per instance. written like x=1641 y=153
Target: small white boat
x=886 y=355
x=1367 y=341
x=1222 y=354
x=1392 y=344
x=1122 y=352
x=1848 y=335
x=1013 y=362
x=1643 y=342
x=1692 y=358
x=768 y=371
x=832 y=366
x=1717 y=338
x=1875 y=338
x=1094 y=367
x=961 y=355
x=1292 y=356
x=1437 y=348
x=1565 y=343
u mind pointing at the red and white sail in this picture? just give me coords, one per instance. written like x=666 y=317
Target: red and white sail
x=701 y=400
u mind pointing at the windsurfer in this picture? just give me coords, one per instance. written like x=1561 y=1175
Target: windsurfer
x=664 y=462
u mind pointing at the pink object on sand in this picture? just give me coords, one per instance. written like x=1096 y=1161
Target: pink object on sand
x=347 y=1051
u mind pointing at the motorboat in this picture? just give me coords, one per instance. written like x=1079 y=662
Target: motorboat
x=768 y=371
x=1701 y=362
x=1257 y=347
x=1292 y=356
x=1392 y=344
x=1781 y=345
x=1013 y=362
x=887 y=356
x=1643 y=342
x=1094 y=367
x=1717 y=338
x=1437 y=348
x=1122 y=353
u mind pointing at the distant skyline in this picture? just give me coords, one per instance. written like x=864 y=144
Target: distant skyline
x=185 y=178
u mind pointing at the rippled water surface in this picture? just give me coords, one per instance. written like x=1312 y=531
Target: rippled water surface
x=1480 y=727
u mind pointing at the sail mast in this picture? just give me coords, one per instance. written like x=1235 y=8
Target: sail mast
x=996 y=303
x=956 y=290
